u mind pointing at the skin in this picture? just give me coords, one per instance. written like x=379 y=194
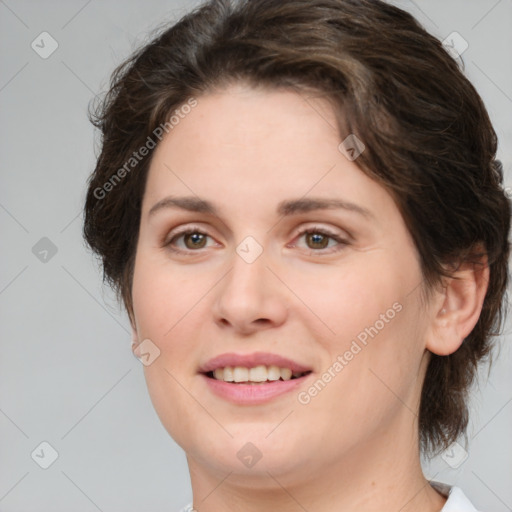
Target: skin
x=354 y=446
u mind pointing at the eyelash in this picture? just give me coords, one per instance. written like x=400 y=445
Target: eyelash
x=311 y=230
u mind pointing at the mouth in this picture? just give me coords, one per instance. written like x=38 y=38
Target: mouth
x=251 y=379
x=256 y=375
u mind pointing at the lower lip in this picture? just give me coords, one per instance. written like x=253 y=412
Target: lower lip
x=253 y=394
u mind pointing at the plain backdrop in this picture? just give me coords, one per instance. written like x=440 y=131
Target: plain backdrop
x=72 y=395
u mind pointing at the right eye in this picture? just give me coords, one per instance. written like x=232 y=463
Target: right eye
x=192 y=238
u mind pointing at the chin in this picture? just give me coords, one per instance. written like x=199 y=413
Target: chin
x=251 y=452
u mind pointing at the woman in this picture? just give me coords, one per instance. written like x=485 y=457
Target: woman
x=300 y=205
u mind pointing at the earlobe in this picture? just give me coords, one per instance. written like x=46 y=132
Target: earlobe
x=461 y=304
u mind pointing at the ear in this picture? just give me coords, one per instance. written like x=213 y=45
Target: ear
x=457 y=307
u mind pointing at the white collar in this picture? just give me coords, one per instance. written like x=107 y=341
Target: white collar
x=457 y=500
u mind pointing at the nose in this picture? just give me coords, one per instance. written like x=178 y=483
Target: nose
x=250 y=297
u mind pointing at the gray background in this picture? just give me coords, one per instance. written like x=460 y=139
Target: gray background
x=67 y=374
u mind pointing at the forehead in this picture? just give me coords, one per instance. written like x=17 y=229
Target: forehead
x=249 y=146
x=241 y=120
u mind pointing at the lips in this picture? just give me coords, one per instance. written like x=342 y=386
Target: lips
x=254 y=378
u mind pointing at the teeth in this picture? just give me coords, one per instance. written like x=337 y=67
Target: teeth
x=286 y=373
x=219 y=374
x=226 y=374
x=240 y=374
x=259 y=373
x=273 y=373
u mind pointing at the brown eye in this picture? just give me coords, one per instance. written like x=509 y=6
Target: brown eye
x=317 y=240
x=194 y=240
x=188 y=240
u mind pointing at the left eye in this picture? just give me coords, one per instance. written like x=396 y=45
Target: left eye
x=319 y=239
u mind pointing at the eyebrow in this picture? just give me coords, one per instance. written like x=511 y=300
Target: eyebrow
x=284 y=208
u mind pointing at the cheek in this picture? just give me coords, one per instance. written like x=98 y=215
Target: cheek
x=372 y=310
x=163 y=302
x=343 y=300
x=162 y=296
x=376 y=358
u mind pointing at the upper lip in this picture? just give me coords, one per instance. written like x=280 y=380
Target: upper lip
x=252 y=360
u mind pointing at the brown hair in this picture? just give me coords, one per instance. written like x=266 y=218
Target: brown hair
x=429 y=141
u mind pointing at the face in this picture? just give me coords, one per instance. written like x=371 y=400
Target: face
x=265 y=253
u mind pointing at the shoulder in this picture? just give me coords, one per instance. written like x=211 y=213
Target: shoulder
x=457 y=501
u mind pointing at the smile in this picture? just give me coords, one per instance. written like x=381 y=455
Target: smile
x=256 y=375
x=252 y=379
